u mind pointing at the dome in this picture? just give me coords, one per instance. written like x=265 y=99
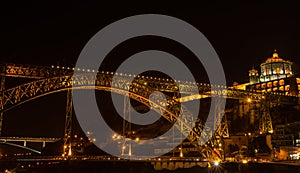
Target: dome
x=275 y=68
x=275 y=58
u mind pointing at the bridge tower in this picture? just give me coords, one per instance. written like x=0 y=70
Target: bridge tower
x=127 y=131
x=221 y=127
x=265 y=123
x=2 y=88
x=67 y=147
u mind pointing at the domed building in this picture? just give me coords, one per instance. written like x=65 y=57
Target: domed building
x=275 y=68
x=276 y=75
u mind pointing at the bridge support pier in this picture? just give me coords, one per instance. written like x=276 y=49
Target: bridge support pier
x=265 y=124
x=67 y=150
x=2 y=88
x=127 y=133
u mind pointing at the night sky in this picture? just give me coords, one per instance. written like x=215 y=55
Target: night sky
x=243 y=35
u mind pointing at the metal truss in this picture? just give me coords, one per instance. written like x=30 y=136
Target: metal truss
x=11 y=140
x=28 y=139
x=33 y=71
x=2 y=88
x=161 y=84
x=265 y=123
x=126 y=131
x=55 y=79
x=67 y=150
x=31 y=90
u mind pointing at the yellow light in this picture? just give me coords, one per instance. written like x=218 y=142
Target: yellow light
x=216 y=163
x=137 y=139
x=181 y=153
x=244 y=161
x=249 y=134
x=70 y=152
x=249 y=100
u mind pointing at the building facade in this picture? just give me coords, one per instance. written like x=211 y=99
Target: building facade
x=276 y=75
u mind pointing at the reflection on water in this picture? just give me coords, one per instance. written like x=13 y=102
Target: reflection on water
x=144 y=167
x=257 y=168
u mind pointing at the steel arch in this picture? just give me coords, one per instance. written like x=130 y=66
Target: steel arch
x=32 y=90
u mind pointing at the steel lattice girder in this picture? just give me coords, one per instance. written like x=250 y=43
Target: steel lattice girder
x=19 y=94
x=162 y=84
x=53 y=79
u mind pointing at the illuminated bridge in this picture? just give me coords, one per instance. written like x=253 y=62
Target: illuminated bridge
x=53 y=79
x=11 y=140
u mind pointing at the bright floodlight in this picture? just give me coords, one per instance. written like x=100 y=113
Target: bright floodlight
x=216 y=163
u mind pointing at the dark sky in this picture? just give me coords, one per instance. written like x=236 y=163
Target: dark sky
x=243 y=35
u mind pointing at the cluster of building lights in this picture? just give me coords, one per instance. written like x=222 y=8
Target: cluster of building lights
x=272 y=93
x=16 y=154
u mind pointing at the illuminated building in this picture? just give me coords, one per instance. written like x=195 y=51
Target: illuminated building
x=275 y=68
x=276 y=76
x=253 y=76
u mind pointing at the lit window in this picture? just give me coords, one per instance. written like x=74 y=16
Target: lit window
x=281 y=88
x=287 y=87
x=269 y=84
x=269 y=90
x=275 y=89
x=263 y=85
x=298 y=80
x=281 y=82
x=275 y=83
x=287 y=71
x=277 y=70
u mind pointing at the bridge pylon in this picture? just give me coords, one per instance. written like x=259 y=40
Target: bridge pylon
x=2 y=88
x=127 y=131
x=67 y=148
x=265 y=123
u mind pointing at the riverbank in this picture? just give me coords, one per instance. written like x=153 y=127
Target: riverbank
x=79 y=166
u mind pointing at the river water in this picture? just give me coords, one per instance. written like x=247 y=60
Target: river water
x=141 y=167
